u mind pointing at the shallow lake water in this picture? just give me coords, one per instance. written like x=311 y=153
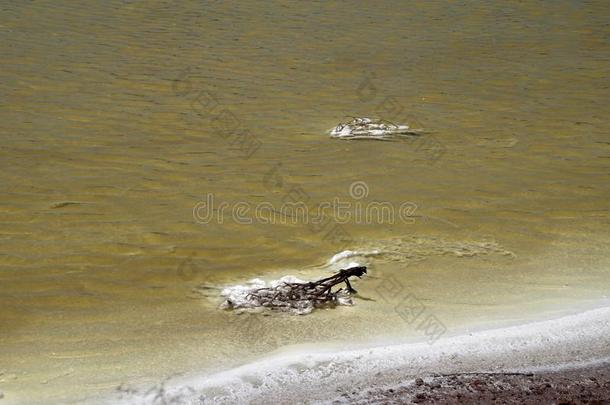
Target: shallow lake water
x=121 y=121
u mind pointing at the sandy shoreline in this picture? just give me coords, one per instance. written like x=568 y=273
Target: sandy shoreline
x=568 y=386
x=520 y=356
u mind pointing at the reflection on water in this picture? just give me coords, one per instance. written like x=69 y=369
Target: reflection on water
x=118 y=117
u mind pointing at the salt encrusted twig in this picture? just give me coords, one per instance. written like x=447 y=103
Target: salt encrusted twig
x=302 y=297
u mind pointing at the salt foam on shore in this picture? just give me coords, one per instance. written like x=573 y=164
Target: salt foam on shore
x=298 y=375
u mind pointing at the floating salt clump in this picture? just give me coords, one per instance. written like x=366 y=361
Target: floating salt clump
x=368 y=128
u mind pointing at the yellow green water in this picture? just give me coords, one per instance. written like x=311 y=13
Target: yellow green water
x=110 y=138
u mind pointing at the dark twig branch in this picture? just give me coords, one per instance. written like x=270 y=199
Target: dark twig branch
x=303 y=295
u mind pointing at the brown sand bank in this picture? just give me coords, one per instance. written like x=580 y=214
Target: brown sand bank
x=590 y=385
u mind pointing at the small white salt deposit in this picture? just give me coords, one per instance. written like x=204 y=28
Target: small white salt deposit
x=367 y=128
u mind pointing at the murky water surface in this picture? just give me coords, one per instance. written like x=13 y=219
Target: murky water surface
x=118 y=118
